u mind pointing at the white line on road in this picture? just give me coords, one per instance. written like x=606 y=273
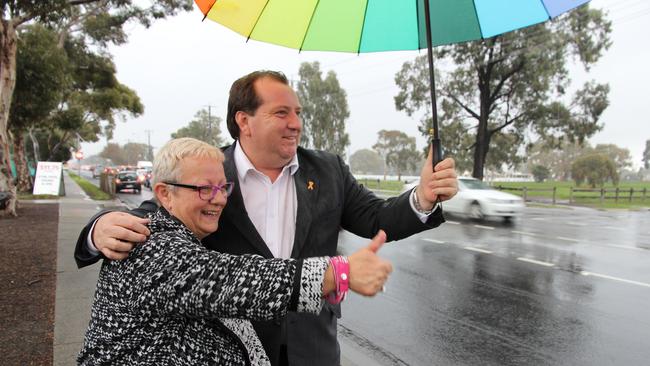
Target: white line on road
x=577 y=224
x=584 y=273
x=523 y=233
x=568 y=239
x=434 y=241
x=479 y=250
x=547 y=264
x=539 y=218
x=484 y=227
x=614 y=228
x=453 y=222
x=624 y=247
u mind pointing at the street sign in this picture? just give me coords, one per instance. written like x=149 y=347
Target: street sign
x=48 y=178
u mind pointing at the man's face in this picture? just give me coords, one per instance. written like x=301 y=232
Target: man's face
x=274 y=130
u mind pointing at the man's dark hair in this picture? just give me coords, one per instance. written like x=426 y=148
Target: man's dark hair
x=243 y=97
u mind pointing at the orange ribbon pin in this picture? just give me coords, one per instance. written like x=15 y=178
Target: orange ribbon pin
x=310 y=185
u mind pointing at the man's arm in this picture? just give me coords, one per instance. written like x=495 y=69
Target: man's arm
x=365 y=213
x=112 y=234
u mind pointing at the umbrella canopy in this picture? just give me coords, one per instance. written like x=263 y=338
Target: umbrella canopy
x=377 y=25
x=380 y=25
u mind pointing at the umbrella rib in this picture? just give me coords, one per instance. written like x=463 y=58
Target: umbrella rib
x=480 y=29
x=302 y=43
x=257 y=20
x=363 y=26
x=546 y=9
x=417 y=21
x=206 y=13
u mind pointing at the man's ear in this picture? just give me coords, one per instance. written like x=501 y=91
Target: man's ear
x=163 y=195
x=241 y=118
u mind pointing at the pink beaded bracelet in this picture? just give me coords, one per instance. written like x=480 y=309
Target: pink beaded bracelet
x=341 y=269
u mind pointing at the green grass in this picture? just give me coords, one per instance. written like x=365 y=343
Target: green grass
x=91 y=190
x=386 y=185
x=585 y=198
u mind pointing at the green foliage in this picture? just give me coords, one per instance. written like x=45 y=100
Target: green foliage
x=620 y=156
x=398 y=150
x=540 y=172
x=41 y=76
x=204 y=127
x=324 y=110
x=366 y=161
x=506 y=88
x=596 y=169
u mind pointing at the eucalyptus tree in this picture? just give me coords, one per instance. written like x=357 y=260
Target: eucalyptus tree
x=505 y=91
x=646 y=155
x=398 y=151
x=324 y=110
x=204 y=127
x=100 y=21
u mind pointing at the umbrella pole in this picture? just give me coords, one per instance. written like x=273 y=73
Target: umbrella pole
x=435 y=137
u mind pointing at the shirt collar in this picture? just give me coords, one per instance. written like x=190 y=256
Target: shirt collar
x=244 y=165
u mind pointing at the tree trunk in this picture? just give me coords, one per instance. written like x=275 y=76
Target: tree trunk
x=8 y=48
x=37 y=148
x=24 y=180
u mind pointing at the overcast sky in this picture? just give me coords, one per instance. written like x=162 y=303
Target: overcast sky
x=181 y=65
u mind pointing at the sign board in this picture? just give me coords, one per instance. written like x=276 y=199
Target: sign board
x=48 y=178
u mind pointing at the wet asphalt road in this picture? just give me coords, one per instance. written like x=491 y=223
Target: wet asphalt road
x=556 y=287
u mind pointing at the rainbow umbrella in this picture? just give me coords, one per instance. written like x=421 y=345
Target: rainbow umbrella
x=380 y=25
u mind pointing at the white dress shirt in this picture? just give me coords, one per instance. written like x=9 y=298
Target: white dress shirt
x=271 y=206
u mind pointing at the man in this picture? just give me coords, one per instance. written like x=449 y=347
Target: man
x=287 y=202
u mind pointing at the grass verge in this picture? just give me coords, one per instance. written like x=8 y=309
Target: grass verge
x=29 y=196
x=91 y=190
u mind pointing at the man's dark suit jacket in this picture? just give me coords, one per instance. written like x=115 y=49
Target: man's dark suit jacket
x=329 y=198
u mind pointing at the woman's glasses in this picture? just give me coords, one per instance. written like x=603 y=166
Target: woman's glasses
x=207 y=192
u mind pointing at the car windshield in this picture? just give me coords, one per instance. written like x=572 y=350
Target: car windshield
x=474 y=184
x=127 y=176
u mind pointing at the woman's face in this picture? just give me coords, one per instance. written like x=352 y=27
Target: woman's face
x=201 y=217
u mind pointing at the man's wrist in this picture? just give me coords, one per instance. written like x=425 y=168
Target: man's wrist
x=418 y=206
x=90 y=245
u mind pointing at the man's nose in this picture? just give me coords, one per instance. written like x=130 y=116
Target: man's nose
x=295 y=123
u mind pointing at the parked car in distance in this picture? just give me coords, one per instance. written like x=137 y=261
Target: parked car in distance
x=477 y=200
x=128 y=180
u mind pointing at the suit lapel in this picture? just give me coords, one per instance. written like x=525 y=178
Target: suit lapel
x=307 y=187
x=235 y=212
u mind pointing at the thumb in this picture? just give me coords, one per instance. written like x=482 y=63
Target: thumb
x=377 y=242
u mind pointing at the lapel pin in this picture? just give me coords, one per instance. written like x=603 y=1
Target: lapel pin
x=310 y=185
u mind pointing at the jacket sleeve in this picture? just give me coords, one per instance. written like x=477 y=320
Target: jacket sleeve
x=174 y=276
x=82 y=255
x=364 y=213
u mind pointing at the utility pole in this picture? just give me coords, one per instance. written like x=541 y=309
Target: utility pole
x=210 y=122
x=148 y=132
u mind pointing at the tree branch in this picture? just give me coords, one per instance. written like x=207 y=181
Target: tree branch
x=462 y=105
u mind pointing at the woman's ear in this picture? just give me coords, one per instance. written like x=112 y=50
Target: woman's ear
x=163 y=195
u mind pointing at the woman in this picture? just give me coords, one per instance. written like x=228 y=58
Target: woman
x=174 y=302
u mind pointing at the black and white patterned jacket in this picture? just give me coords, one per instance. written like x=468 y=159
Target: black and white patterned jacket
x=173 y=302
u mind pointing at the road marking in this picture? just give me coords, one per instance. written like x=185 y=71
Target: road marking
x=584 y=273
x=624 y=247
x=484 y=227
x=547 y=264
x=614 y=228
x=568 y=239
x=577 y=224
x=479 y=250
x=434 y=241
x=539 y=218
x=523 y=233
x=453 y=222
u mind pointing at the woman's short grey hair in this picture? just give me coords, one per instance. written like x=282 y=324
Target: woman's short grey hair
x=167 y=163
